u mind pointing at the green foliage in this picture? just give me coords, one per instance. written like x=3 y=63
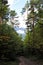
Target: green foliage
x=10 y=42
x=9 y=63
x=34 y=1
x=33 y=42
x=39 y=35
x=13 y=13
x=4 y=10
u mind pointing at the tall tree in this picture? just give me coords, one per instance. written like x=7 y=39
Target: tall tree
x=10 y=42
x=25 y=7
x=14 y=18
x=35 y=39
x=3 y=10
x=12 y=15
x=34 y=16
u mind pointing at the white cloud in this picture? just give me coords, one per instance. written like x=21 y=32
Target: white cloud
x=21 y=17
x=10 y=2
x=20 y=32
x=22 y=22
x=16 y=2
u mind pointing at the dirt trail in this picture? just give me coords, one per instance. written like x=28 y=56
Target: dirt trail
x=25 y=61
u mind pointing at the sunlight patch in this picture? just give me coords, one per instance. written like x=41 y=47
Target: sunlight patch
x=20 y=32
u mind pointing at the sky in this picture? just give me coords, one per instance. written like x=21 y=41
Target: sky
x=17 y=5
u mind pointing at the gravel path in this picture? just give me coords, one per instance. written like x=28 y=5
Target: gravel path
x=25 y=61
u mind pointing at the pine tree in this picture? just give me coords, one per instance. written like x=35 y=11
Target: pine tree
x=3 y=10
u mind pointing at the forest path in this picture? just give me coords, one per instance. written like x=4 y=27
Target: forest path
x=25 y=61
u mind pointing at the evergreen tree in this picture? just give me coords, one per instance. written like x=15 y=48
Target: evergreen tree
x=4 y=10
x=36 y=36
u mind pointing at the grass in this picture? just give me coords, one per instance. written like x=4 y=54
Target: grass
x=9 y=63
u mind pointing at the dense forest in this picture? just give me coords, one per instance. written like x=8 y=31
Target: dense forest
x=11 y=43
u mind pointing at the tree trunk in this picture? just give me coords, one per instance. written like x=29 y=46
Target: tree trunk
x=0 y=20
